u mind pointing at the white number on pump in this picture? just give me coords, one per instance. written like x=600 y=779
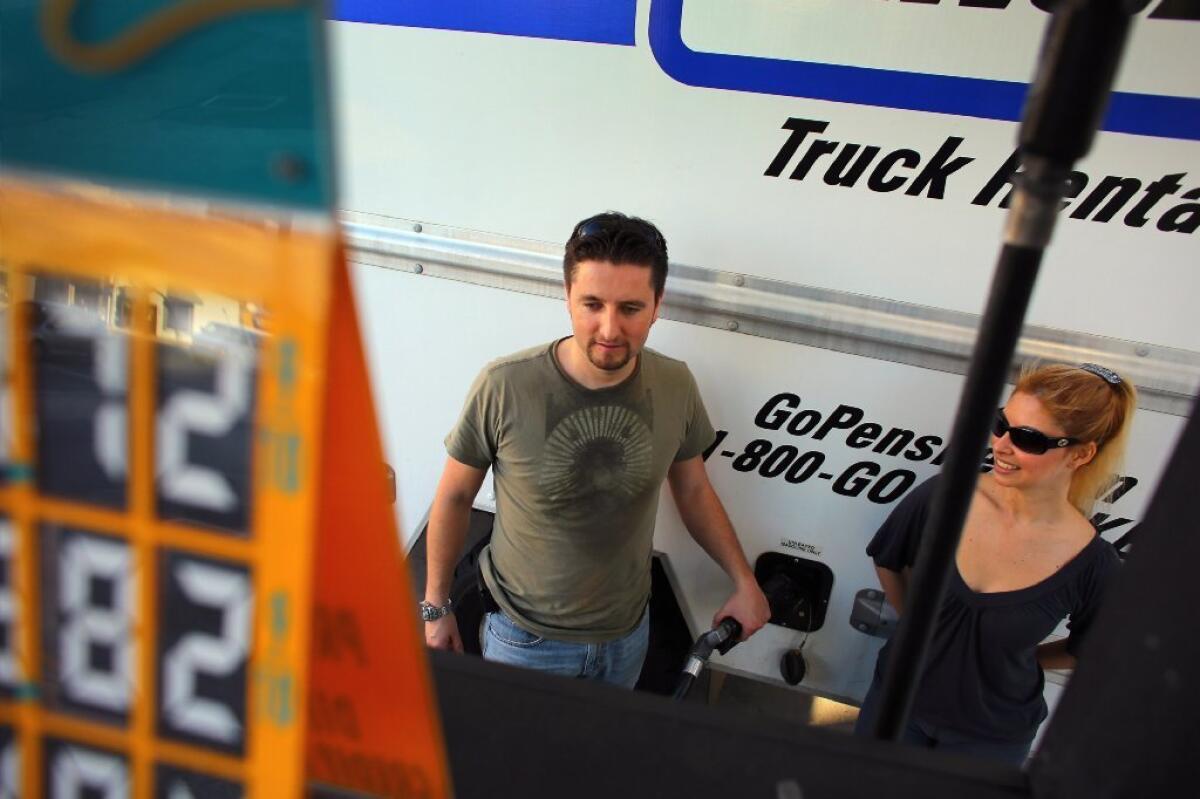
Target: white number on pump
x=201 y=654
x=79 y=773
x=83 y=561
x=213 y=414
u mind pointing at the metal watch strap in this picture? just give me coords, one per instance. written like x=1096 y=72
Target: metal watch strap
x=431 y=612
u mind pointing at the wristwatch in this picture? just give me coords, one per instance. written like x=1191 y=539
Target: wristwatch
x=431 y=612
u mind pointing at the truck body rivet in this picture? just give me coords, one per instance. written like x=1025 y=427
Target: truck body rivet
x=417 y=228
x=731 y=325
x=418 y=269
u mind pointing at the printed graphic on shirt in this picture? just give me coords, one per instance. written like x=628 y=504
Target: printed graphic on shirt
x=596 y=459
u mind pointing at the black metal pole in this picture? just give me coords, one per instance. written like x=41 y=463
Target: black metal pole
x=1001 y=326
x=1080 y=53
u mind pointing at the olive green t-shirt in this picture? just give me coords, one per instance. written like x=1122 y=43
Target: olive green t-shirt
x=577 y=474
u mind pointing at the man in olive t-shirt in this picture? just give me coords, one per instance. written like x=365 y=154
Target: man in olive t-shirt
x=581 y=433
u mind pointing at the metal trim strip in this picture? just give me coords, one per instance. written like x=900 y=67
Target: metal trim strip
x=931 y=338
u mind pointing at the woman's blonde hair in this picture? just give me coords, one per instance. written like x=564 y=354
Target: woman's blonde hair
x=1089 y=408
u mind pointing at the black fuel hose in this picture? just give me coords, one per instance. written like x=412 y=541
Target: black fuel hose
x=721 y=638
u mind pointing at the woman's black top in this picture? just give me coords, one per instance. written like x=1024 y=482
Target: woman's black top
x=981 y=676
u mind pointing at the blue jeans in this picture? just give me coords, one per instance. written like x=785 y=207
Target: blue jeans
x=618 y=662
x=929 y=736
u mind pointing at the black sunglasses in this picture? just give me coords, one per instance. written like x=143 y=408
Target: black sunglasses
x=596 y=227
x=1026 y=439
x=588 y=227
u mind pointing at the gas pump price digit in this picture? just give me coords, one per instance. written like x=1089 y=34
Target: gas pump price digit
x=74 y=771
x=81 y=380
x=206 y=397
x=206 y=609
x=89 y=643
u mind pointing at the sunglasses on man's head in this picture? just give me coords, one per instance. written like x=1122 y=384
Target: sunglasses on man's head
x=595 y=227
x=1026 y=439
x=589 y=227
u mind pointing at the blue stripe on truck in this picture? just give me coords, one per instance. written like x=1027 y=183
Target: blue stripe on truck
x=1142 y=114
x=599 y=21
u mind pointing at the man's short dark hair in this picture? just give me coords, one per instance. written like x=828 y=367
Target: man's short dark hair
x=618 y=239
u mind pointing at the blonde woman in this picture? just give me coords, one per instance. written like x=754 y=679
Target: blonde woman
x=1027 y=559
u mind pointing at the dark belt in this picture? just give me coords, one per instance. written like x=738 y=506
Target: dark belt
x=485 y=595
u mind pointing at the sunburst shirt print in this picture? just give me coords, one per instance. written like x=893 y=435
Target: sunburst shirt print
x=597 y=458
x=577 y=473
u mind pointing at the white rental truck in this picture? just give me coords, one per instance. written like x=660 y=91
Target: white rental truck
x=831 y=177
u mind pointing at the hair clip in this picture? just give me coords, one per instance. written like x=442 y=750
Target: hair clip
x=1102 y=372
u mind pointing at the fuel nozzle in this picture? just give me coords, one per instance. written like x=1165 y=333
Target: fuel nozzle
x=787 y=600
x=721 y=639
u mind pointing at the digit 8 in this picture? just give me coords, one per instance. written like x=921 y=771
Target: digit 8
x=753 y=454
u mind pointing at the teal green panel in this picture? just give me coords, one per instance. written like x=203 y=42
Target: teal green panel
x=234 y=109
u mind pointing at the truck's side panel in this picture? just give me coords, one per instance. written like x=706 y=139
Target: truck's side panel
x=523 y=136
